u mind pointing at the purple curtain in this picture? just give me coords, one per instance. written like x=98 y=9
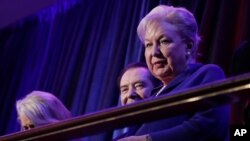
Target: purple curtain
x=76 y=50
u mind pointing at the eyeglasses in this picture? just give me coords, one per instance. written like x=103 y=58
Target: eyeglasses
x=28 y=127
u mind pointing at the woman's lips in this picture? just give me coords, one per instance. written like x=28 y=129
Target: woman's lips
x=159 y=63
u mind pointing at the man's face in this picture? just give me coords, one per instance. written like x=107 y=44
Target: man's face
x=135 y=85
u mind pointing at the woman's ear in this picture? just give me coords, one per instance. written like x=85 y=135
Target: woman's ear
x=190 y=45
x=189 y=48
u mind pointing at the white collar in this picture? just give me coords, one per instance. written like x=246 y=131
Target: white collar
x=161 y=90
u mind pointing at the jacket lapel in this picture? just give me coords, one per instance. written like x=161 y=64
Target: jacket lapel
x=179 y=79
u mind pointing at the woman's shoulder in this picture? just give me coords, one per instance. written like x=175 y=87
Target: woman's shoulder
x=205 y=67
x=211 y=70
x=211 y=67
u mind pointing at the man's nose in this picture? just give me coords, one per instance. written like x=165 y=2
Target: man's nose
x=132 y=94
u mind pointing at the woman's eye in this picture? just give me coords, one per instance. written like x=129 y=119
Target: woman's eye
x=165 y=41
x=27 y=127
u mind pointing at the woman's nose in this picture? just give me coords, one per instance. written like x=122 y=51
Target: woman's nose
x=155 y=51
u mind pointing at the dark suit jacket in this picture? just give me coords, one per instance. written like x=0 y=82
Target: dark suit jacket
x=209 y=125
x=131 y=130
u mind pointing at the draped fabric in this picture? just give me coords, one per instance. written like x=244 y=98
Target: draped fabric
x=77 y=49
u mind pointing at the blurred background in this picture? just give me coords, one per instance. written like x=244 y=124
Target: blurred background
x=76 y=49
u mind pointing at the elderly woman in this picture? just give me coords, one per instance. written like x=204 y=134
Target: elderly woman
x=170 y=36
x=40 y=108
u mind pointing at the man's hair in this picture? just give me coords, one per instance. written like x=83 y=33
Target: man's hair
x=154 y=81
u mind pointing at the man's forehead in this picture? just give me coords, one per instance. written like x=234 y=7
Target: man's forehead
x=136 y=72
x=134 y=75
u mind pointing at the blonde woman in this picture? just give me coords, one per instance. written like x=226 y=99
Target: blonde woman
x=40 y=108
x=170 y=36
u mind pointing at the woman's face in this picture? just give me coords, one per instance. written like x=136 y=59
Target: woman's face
x=165 y=51
x=26 y=123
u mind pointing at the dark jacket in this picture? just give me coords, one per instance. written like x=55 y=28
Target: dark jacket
x=209 y=125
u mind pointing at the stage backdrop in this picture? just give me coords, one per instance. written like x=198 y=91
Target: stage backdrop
x=76 y=50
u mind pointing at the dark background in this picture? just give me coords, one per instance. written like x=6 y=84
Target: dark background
x=77 y=48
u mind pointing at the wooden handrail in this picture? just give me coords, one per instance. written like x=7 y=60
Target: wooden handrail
x=198 y=98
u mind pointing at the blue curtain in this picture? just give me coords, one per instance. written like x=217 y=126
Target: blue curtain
x=77 y=48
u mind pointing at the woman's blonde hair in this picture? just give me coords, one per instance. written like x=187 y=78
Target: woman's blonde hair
x=42 y=108
x=180 y=17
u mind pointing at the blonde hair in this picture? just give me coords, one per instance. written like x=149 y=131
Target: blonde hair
x=180 y=17
x=42 y=108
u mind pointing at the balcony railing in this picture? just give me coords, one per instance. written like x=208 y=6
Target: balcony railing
x=197 y=98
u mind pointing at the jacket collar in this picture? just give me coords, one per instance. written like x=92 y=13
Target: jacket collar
x=178 y=79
